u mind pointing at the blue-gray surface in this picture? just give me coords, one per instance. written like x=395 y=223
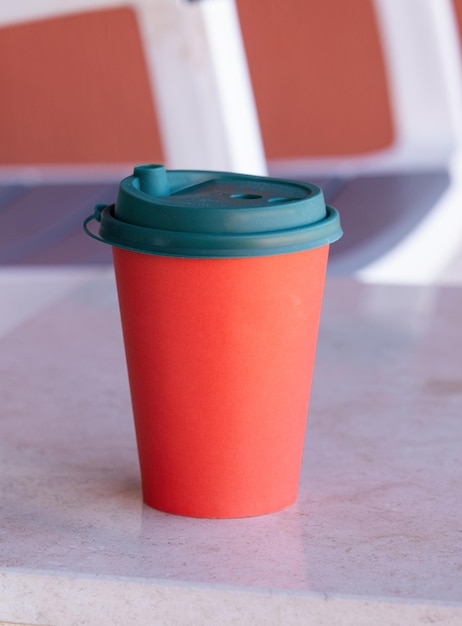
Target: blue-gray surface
x=42 y=223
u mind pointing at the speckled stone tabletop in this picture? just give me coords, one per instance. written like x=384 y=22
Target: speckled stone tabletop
x=376 y=534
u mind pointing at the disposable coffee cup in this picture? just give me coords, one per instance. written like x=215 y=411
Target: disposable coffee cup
x=220 y=279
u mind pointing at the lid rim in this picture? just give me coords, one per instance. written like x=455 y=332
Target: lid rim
x=212 y=245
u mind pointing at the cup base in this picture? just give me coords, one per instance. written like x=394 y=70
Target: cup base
x=218 y=513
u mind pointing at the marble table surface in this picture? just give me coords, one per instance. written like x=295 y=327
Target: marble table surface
x=376 y=534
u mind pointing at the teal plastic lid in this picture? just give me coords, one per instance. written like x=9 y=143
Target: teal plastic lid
x=187 y=213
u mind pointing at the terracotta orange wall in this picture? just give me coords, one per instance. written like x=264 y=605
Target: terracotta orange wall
x=458 y=9
x=318 y=75
x=74 y=89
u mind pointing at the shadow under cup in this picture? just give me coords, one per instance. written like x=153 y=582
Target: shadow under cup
x=220 y=280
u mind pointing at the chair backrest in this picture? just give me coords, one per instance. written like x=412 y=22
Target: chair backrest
x=203 y=97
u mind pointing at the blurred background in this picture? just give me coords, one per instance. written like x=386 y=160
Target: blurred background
x=79 y=108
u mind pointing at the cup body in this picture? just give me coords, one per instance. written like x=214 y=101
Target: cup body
x=220 y=355
x=220 y=279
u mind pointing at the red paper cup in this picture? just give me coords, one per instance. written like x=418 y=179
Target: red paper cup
x=220 y=355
